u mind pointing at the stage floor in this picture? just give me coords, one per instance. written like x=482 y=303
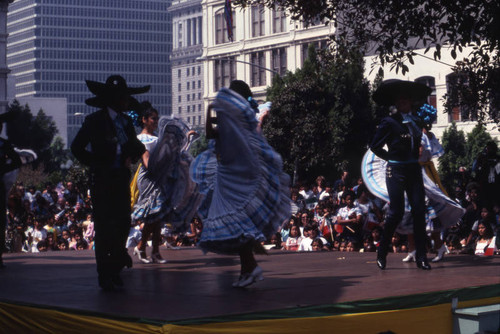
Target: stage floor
x=192 y=285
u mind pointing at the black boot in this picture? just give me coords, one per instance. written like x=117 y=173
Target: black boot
x=381 y=258
x=423 y=264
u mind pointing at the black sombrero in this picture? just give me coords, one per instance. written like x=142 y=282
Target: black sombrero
x=390 y=90
x=115 y=85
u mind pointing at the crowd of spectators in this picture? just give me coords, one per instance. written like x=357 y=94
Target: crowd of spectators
x=59 y=218
x=53 y=219
x=344 y=216
x=326 y=216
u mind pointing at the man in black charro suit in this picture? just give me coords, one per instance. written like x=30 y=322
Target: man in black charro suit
x=113 y=147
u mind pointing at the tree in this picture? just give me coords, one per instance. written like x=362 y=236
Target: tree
x=37 y=133
x=476 y=143
x=200 y=145
x=454 y=146
x=316 y=111
x=394 y=30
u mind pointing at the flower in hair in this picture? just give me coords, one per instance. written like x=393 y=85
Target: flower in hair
x=135 y=117
x=427 y=113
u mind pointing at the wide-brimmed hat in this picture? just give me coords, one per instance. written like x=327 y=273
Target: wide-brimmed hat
x=114 y=86
x=390 y=90
x=8 y=116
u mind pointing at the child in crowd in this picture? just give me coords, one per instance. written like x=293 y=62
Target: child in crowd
x=398 y=244
x=36 y=234
x=294 y=239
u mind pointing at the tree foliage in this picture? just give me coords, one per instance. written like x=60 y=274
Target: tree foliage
x=320 y=116
x=37 y=133
x=393 y=30
x=460 y=151
x=476 y=143
x=454 y=145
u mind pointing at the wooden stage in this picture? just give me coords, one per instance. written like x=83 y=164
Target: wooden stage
x=193 y=285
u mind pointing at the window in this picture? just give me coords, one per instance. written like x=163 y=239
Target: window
x=258 y=20
x=180 y=110
x=187 y=85
x=279 y=61
x=179 y=87
x=454 y=82
x=179 y=35
x=178 y=73
x=224 y=72
x=258 y=71
x=279 y=21
x=179 y=99
x=431 y=83
x=221 y=35
x=318 y=45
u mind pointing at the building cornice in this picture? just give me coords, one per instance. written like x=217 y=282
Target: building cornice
x=184 y=6
x=192 y=51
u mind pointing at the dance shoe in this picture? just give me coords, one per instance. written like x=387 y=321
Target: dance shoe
x=117 y=280
x=141 y=255
x=156 y=258
x=249 y=278
x=440 y=253
x=423 y=264
x=105 y=283
x=410 y=257
x=127 y=261
x=381 y=259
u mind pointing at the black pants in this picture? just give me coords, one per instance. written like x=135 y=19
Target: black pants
x=401 y=179
x=110 y=191
x=3 y=216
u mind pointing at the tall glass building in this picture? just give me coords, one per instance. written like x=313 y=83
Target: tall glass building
x=55 y=45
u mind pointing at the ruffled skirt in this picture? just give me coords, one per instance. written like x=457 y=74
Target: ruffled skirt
x=241 y=176
x=439 y=205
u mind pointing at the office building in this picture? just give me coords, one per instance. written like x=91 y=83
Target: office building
x=187 y=70
x=55 y=45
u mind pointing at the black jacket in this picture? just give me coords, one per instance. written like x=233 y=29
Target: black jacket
x=403 y=144
x=99 y=131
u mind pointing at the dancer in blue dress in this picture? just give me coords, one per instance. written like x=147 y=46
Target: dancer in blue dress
x=242 y=178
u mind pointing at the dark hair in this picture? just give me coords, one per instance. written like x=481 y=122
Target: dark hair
x=298 y=230
x=82 y=243
x=146 y=110
x=488 y=233
x=242 y=88
x=319 y=241
x=349 y=193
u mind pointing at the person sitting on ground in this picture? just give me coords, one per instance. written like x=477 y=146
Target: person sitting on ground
x=294 y=239
x=485 y=239
x=312 y=234
x=352 y=246
x=350 y=216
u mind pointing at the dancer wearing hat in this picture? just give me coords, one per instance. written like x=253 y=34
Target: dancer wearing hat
x=402 y=133
x=113 y=147
x=242 y=177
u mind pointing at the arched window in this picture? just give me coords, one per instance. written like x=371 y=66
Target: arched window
x=455 y=82
x=431 y=83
